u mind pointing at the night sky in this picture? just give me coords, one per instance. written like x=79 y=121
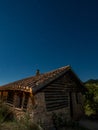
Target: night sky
x=46 y=35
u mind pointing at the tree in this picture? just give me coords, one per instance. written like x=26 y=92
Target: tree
x=91 y=97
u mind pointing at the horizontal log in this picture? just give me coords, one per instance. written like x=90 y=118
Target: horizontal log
x=56 y=101
x=64 y=90
x=56 y=91
x=9 y=104
x=56 y=84
x=56 y=97
x=59 y=87
x=10 y=101
x=56 y=107
x=55 y=87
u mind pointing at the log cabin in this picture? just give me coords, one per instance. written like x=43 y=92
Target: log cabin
x=59 y=91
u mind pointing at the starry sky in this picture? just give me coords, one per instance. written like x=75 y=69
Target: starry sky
x=46 y=35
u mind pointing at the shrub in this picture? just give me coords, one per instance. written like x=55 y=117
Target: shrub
x=26 y=124
x=5 y=113
x=9 y=122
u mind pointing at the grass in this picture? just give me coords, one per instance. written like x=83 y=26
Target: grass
x=72 y=125
x=63 y=124
x=9 y=122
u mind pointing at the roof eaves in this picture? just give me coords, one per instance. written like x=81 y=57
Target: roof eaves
x=36 y=89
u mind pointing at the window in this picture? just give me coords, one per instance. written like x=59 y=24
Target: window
x=26 y=96
x=10 y=97
x=18 y=100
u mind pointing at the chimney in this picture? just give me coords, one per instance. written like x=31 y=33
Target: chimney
x=37 y=72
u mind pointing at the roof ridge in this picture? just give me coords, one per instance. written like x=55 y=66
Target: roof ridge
x=64 y=67
x=32 y=80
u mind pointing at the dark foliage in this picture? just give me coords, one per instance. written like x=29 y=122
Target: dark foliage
x=91 y=98
x=5 y=113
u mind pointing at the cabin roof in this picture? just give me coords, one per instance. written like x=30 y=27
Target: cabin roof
x=35 y=83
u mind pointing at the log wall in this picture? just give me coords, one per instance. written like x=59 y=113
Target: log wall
x=55 y=98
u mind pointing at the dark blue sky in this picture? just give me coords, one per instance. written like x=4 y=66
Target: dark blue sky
x=47 y=34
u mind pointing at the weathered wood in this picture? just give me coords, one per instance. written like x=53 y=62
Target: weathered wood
x=59 y=106
x=25 y=102
x=56 y=94
x=56 y=98
x=10 y=97
x=23 y=99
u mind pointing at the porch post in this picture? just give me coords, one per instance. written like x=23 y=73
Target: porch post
x=15 y=99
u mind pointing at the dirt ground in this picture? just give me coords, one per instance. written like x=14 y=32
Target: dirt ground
x=91 y=125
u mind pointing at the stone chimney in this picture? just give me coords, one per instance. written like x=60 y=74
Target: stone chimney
x=37 y=72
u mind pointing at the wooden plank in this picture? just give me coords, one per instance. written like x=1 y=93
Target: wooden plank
x=54 y=96
x=56 y=107
x=56 y=101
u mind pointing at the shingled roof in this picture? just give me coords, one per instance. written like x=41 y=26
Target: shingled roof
x=32 y=83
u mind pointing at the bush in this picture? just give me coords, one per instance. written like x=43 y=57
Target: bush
x=5 y=113
x=26 y=124
x=7 y=120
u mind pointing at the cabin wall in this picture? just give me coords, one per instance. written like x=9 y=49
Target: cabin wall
x=39 y=110
x=55 y=98
x=77 y=97
x=78 y=110
x=40 y=114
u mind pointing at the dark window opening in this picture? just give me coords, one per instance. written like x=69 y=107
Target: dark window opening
x=26 y=101
x=10 y=97
x=18 y=101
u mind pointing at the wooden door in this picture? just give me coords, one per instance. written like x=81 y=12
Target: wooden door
x=71 y=105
